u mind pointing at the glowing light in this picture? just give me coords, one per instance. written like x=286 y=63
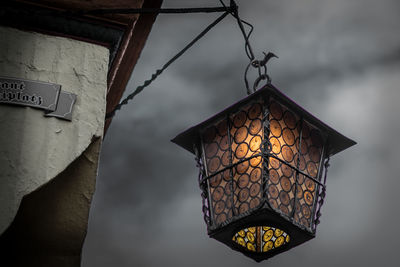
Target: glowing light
x=261 y=238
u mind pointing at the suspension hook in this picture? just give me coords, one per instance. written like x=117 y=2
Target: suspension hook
x=261 y=65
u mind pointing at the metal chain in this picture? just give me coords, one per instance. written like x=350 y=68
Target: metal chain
x=259 y=64
x=235 y=14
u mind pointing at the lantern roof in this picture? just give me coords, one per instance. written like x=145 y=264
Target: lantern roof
x=337 y=141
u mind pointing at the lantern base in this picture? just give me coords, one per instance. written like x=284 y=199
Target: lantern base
x=263 y=221
x=261 y=239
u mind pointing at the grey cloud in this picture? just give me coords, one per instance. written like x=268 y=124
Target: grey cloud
x=339 y=59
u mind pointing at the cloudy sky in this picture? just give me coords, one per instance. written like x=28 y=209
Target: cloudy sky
x=339 y=59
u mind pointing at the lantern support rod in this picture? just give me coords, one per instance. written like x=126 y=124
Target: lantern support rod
x=131 y=11
x=157 y=10
x=166 y=65
x=127 y=11
x=232 y=10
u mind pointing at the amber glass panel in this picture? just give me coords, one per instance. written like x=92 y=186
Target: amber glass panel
x=306 y=192
x=261 y=238
x=217 y=157
x=286 y=185
x=247 y=189
x=216 y=147
x=238 y=188
x=311 y=149
x=281 y=186
x=284 y=133
x=247 y=132
x=221 y=196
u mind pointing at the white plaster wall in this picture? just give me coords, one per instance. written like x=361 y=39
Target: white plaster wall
x=34 y=148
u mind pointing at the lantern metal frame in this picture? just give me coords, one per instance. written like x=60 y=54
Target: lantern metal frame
x=263 y=214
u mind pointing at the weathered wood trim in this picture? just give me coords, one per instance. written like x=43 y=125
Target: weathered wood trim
x=128 y=55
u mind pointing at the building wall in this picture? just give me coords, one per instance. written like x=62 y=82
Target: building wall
x=51 y=223
x=35 y=149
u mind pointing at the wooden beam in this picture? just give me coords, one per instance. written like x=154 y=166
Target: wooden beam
x=133 y=43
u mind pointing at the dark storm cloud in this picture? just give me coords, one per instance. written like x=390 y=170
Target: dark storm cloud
x=339 y=59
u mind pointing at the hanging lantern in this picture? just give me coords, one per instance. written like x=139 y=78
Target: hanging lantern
x=263 y=164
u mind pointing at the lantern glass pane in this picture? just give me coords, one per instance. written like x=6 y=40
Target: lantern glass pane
x=306 y=190
x=217 y=153
x=221 y=197
x=296 y=148
x=216 y=147
x=311 y=150
x=281 y=186
x=261 y=238
x=247 y=181
x=232 y=153
x=234 y=164
x=247 y=132
x=284 y=133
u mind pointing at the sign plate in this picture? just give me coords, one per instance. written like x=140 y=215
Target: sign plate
x=65 y=104
x=29 y=93
x=36 y=94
